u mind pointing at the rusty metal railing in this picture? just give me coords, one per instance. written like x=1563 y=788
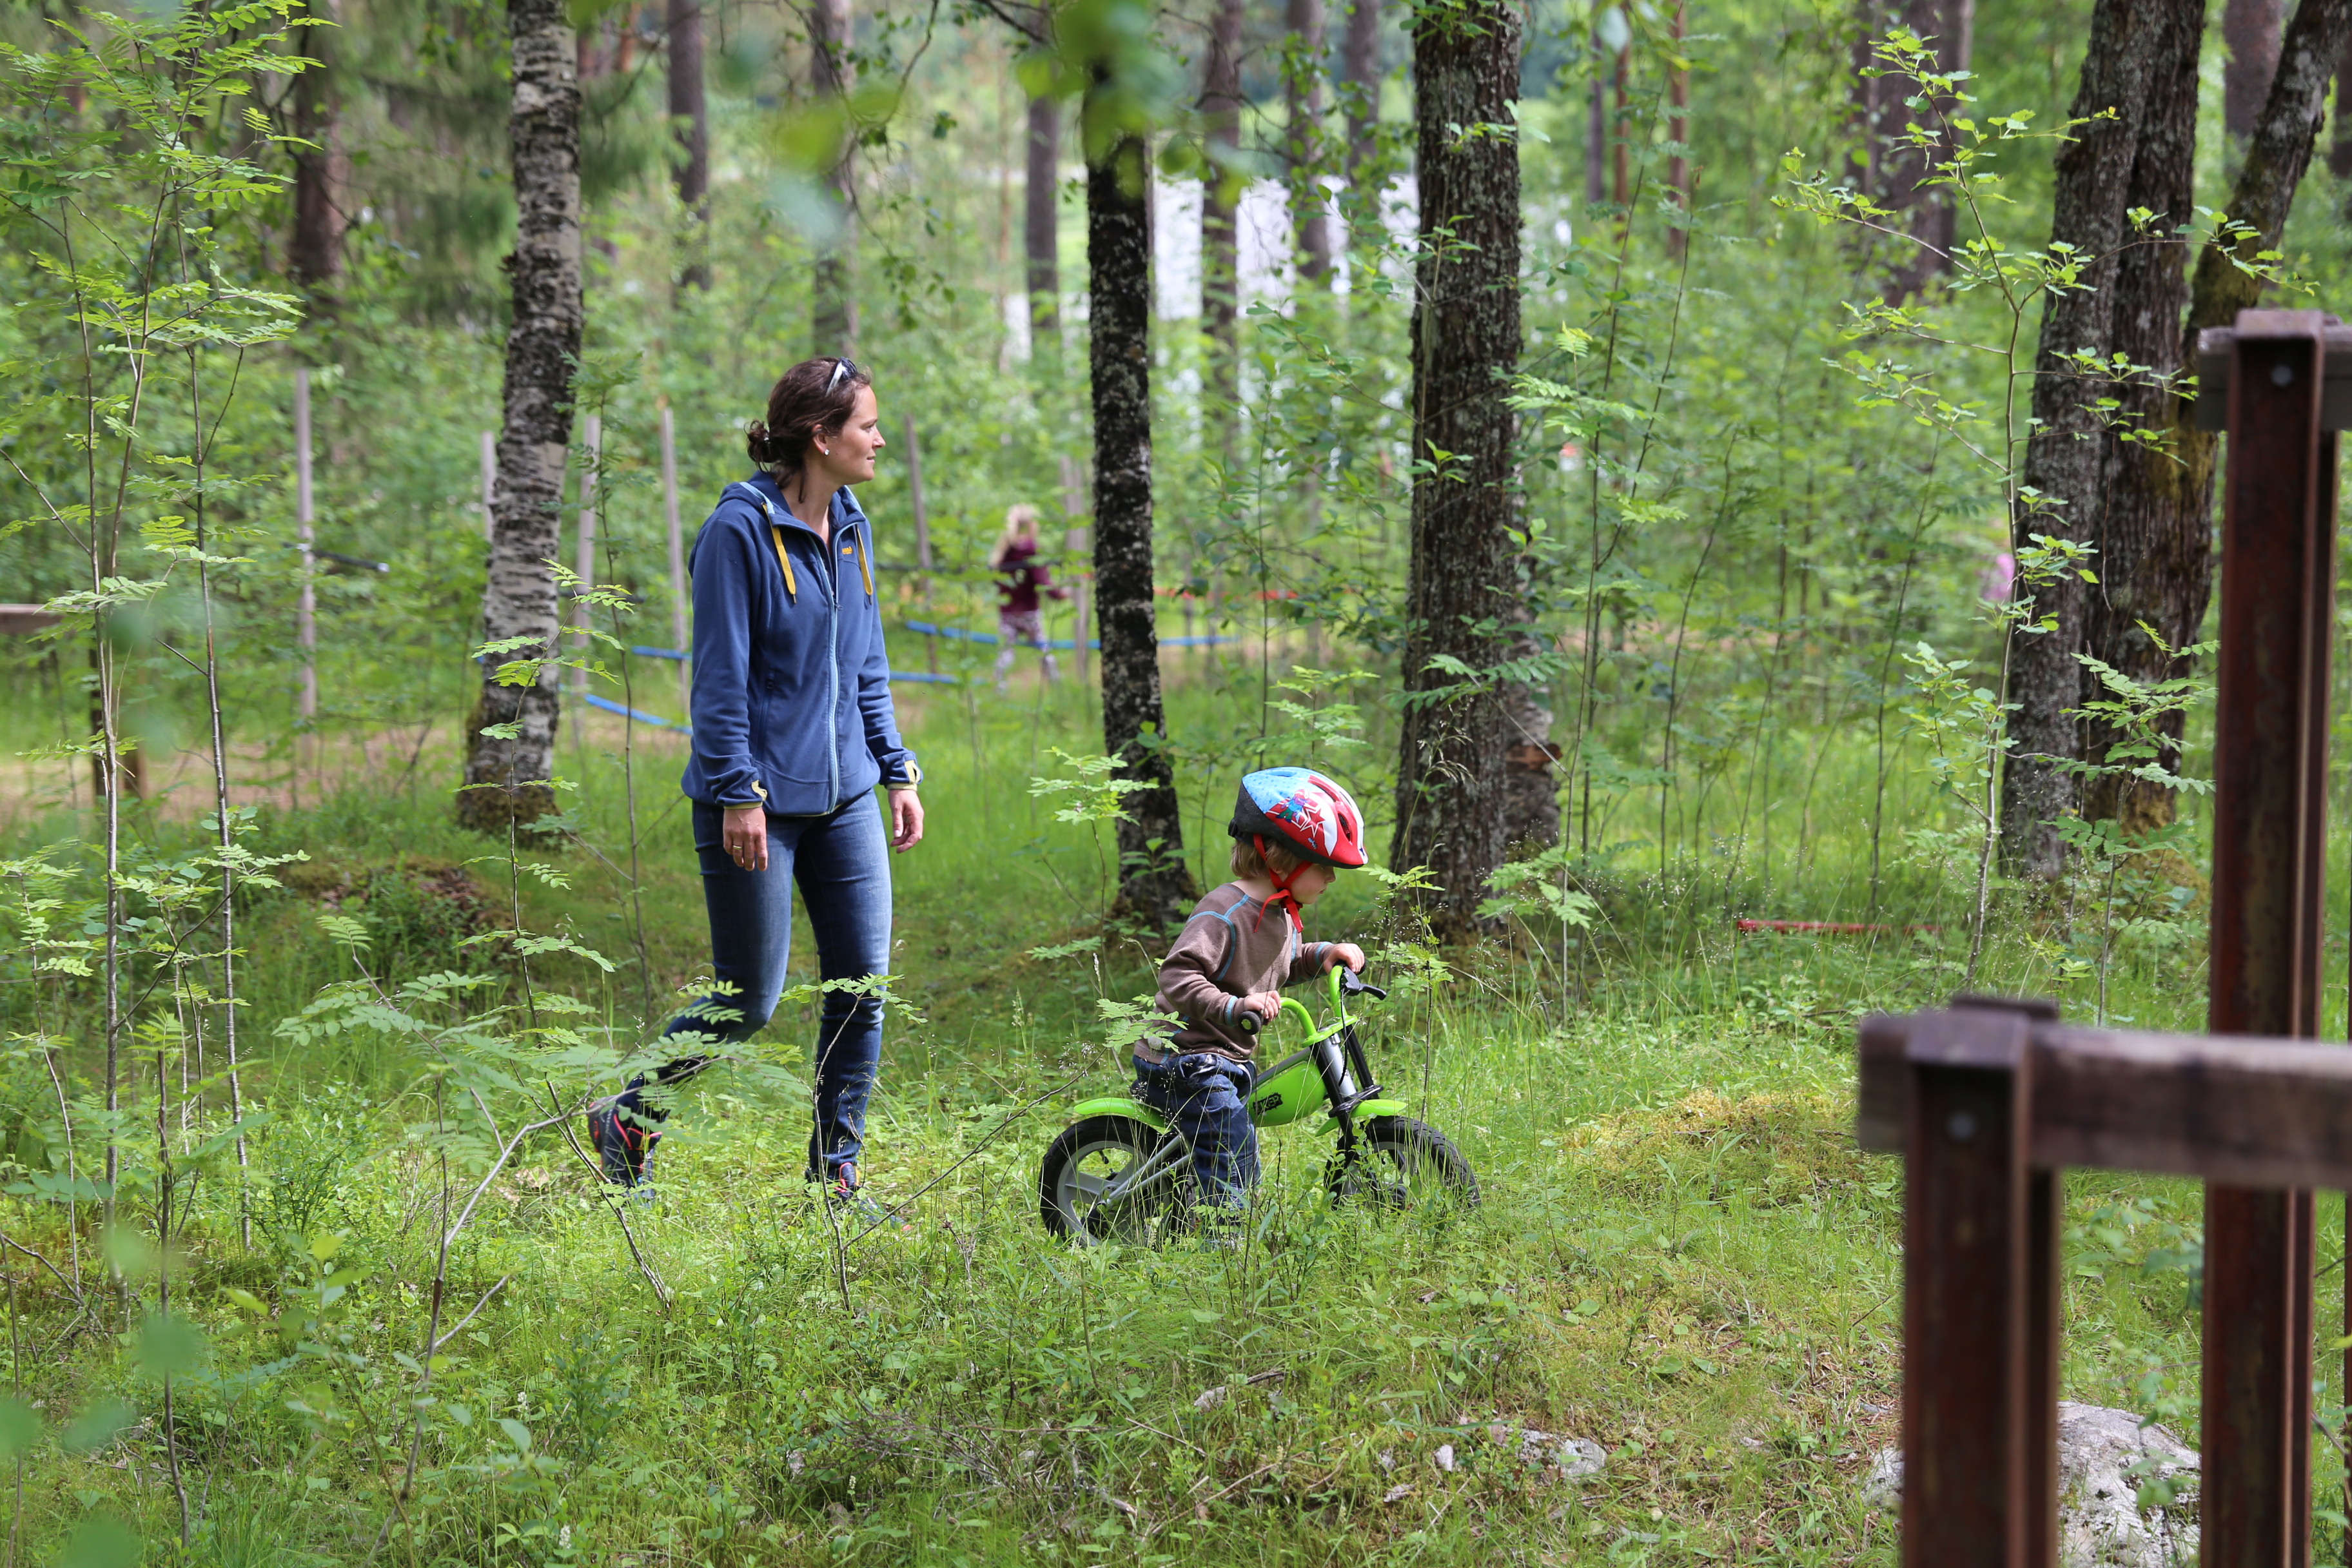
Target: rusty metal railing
x=1989 y=1100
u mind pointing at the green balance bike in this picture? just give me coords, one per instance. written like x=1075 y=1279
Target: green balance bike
x=1120 y=1173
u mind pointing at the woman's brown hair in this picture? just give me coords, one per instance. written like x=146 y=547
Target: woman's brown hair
x=814 y=397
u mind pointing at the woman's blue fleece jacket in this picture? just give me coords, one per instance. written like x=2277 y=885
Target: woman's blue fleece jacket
x=791 y=687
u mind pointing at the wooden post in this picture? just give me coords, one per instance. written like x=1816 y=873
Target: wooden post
x=489 y=480
x=1981 y=1229
x=584 y=553
x=1078 y=542
x=2270 y=755
x=678 y=585
x=306 y=605
x=922 y=537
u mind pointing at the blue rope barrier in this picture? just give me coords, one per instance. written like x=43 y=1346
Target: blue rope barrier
x=658 y=652
x=609 y=706
x=1063 y=645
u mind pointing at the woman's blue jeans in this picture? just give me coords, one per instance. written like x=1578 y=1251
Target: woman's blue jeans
x=842 y=865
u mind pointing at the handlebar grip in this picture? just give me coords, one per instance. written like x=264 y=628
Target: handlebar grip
x=1247 y=1023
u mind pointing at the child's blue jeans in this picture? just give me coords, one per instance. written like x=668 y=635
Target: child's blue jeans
x=1206 y=1097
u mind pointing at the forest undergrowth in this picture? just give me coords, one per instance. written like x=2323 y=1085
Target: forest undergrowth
x=1670 y=1333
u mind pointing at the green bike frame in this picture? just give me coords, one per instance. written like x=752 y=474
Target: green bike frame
x=1328 y=1073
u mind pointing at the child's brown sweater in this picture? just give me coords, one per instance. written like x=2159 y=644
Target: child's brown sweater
x=1234 y=945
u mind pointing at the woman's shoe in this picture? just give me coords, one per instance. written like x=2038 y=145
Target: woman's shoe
x=624 y=1150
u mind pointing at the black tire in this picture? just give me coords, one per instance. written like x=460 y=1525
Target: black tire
x=1400 y=1166
x=1084 y=1157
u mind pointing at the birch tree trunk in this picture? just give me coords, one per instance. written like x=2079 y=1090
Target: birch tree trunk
x=1462 y=582
x=835 y=287
x=504 y=773
x=1155 y=884
x=2063 y=458
x=689 y=108
x=1041 y=228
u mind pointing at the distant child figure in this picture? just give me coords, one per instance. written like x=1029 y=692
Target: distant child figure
x=1293 y=829
x=1019 y=622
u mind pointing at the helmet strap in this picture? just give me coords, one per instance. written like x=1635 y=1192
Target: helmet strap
x=1281 y=893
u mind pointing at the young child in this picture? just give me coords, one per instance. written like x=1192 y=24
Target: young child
x=1020 y=620
x=1293 y=829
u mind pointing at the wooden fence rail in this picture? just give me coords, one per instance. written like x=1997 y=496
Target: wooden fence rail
x=1989 y=1101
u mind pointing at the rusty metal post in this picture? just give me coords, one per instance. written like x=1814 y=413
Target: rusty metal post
x=2270 y=757
x=1979 y=1300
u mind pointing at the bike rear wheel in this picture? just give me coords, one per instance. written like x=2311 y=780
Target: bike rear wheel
x=1086 y=1161
x=1400 y=1166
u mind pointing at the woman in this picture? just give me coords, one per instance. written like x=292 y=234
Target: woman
x=1019 y=619
x=792 y=727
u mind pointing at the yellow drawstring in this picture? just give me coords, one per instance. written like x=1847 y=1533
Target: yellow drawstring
x=792 y=584
x=863 y=570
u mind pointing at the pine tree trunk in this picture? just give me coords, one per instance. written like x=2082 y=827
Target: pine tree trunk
x=2142 y=576
x=836 y=286
x=2250 y=31
x=1302 y=139
x=2339 y=147
x=2169 y=504
x=314 y=251
x=1949 y=27
x=2063 y=457
x=690 y=109
x=1221 y=187
x=1155 y=884
x=504 y=776
x=1462 y=582
x=1041 y=230
x=1359 y=68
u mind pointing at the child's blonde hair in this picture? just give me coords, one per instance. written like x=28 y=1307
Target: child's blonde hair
x=1020 y=522
x=1275 y=862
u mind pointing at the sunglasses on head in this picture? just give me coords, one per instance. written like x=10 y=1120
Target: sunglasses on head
x=841 y=367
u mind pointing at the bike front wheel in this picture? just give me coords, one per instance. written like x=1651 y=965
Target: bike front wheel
x=1398 y=1166
x=1110 y=1178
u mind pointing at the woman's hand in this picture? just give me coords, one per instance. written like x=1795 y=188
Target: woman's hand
x=744 y=836
x=1346 y=953
x=905 y=820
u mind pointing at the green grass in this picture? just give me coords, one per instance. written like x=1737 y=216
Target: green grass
x=1681 y=1256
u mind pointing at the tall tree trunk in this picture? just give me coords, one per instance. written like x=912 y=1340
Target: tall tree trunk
x=2339 y=147
x=504 y=773
x=2141 y=574
x=314 y=252
x=1463 y=583
x=1221 y=188
x=690 y=113
x=2063 y=457
x=1596 y=129
x=1679 y=169
x=1359 y=68
x=1155 y=884
x=1041 y=223
x=836 y=289
x=2164 y=508
x=2250 y=31
x=1949 y=27
x=1303 y=138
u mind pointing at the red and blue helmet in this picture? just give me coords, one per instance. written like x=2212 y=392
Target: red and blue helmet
x=1303 y=812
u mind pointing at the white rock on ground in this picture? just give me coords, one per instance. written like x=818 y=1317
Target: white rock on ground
x=2104 y=1457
